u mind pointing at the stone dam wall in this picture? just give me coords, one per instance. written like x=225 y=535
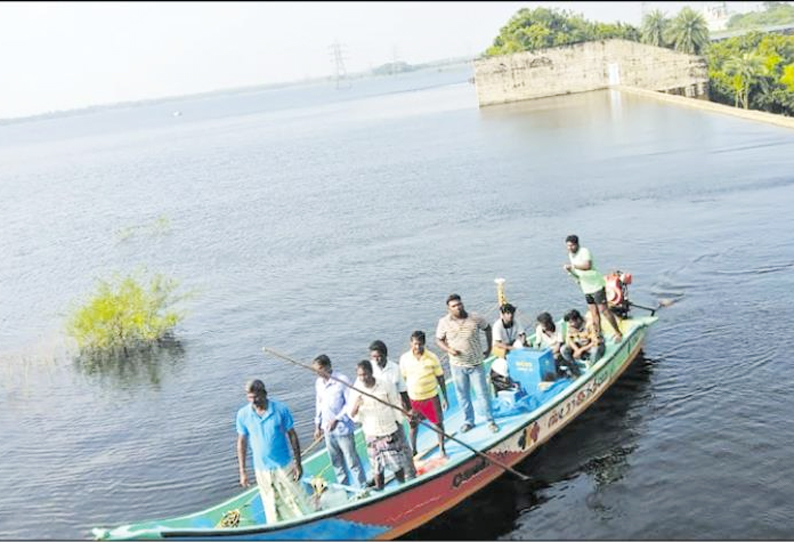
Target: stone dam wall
x=588 y=66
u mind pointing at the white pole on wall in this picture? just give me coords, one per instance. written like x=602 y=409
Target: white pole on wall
x=614 y=73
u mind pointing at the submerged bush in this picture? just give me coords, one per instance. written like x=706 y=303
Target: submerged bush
x=125 y=315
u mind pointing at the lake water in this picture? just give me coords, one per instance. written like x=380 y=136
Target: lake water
x=315 y=220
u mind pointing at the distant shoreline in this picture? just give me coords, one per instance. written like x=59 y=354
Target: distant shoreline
x=372 y=73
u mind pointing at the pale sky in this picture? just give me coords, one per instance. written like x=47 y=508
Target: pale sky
x=65 y=55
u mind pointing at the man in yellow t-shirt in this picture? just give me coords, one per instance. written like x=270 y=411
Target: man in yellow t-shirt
x=423 y=375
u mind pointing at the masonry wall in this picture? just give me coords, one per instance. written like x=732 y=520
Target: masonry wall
x=588 y=66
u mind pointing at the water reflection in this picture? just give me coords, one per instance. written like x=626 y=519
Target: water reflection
x=484 y=516
x=138 y=367
x=615 y=105
x=597 y=444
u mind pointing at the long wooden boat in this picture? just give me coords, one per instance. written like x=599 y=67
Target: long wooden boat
x=399 y=508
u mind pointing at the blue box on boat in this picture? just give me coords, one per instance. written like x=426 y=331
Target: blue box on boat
x=528 y=367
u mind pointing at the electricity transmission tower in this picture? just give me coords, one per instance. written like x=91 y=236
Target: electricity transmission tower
x=340 y=73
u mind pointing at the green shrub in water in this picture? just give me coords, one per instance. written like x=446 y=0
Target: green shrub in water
x=125 y=314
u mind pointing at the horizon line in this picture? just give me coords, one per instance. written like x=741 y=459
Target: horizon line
x=73 y=111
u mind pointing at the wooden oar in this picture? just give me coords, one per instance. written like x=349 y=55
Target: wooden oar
x=431 y=426
x=662 y=303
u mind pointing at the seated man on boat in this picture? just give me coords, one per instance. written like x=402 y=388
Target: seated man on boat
x=548 y=336
x=508 y=334
x=267 y=425
x=375 y=407
x=332 y=393
x=382 y=368
x=424 y=376
x=507 y=331
x=583 y=341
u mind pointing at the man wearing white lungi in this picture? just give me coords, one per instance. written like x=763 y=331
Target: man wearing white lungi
x=269 y=426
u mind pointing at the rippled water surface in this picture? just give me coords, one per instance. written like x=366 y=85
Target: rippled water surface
x=312 y=220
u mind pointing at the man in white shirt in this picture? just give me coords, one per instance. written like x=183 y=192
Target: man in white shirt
x=507 y=332
x=507 y=335
x=383 y=369
x=387 y=446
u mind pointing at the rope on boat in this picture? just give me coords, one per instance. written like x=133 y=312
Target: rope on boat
x=230 y=518
x=311 y=446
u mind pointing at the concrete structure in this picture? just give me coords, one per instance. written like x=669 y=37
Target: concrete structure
x=588 y=66
x=785 y=29
x=703 y=105
x=717 y=15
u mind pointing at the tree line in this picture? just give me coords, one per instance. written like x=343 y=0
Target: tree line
x=753 y=71
x=775 y=13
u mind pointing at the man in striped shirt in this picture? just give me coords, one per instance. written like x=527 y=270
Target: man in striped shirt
x=458 y=334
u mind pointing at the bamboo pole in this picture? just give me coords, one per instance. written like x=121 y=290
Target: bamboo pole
x=431 y=426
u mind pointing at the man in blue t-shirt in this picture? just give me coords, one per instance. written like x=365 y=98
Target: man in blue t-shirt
x=268 y=426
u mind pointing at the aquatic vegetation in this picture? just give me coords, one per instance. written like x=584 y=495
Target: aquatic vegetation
x=124 y=315
x=143 y=367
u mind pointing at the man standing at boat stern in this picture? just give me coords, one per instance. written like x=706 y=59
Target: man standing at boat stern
x=268 y=426
x=332 y=391
x=583 y=268
x=458 y=334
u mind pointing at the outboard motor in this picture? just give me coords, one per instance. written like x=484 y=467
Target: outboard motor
x=618 y=293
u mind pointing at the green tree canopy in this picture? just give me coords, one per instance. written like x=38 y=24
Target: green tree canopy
x=775 y=13
x=655 y=28
x=689 y=32
x=745 y=71
x=540 y=28
x=753 y=70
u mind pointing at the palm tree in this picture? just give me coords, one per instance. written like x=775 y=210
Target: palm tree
x=654 y=28
x=689 y=32
x=746 y=70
